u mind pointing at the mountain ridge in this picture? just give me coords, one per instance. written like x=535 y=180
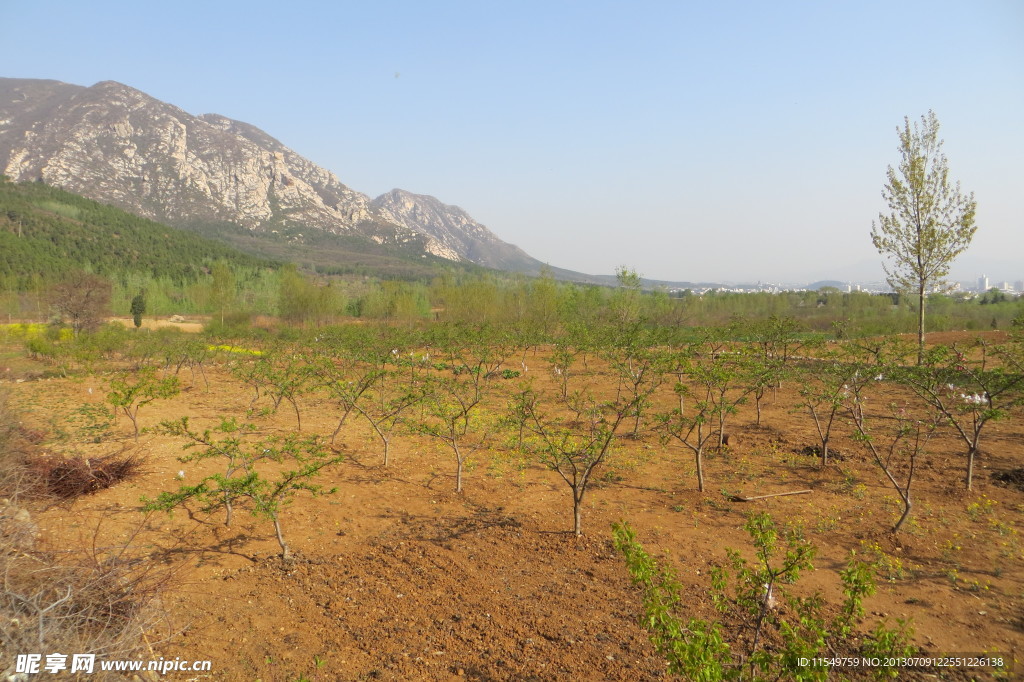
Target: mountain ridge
x=454 y=229
x=119 y=145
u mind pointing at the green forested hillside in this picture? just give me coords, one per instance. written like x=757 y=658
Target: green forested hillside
x=45 y=231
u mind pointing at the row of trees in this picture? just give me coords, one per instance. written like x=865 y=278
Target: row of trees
x=545 y=305
x=473 y=390
x=230 y=291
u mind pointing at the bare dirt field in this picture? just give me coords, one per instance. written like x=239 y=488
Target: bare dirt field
x=399 y=578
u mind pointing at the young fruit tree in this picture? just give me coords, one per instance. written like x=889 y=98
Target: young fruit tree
x=895 y=447
x=691 y=423
x=451 y=417
x=772 y=343
x=766 y=633
x=452 y=404
x=384 y=404
x=346 y=379
x=716 y=368
x=640 y=369
x=267 y=472
x=571 y=436
x=131 y=391
x=227 y=449
x=930 y=221
x=281 y=373
x=968 y=388
x=822 y=388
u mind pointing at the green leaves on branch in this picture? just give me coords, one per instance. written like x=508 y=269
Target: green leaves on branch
x=696 y=649
x=771 y=643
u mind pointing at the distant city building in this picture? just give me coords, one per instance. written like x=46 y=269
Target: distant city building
x=983 y=283
x=1019 y=286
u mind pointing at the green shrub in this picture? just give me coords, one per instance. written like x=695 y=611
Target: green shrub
x=768 y=643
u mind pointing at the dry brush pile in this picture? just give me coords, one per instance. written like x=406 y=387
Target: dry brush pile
x=97 y=599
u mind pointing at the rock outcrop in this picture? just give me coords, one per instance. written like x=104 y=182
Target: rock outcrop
x=453 y=230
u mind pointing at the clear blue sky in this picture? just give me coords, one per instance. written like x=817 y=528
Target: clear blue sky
x=688 y=140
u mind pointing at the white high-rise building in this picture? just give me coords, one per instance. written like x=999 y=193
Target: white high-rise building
x=983 y=283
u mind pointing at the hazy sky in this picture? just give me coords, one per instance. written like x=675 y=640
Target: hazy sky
x=688 y=140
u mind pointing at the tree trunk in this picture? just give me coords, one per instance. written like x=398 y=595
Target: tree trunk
x=286 y=553
x=970 y=465
x=699 y=453
x=458 y=470
x=905 y=494
x=298 y=417
x=907 y=506
x=920 y=325
x=577 y=513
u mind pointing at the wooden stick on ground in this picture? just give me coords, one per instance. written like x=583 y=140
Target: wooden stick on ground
x=737 y=498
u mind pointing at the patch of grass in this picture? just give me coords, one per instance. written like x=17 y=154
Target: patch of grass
x=984 y=507
x=886 y=566
x=235 y=349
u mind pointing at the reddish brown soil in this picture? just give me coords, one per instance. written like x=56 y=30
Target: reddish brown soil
x=398 y=578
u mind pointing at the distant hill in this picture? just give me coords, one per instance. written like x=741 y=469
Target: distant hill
x=835 y=284
x=115 y=144
x=45 y=231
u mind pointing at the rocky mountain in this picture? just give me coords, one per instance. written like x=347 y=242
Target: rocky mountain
x=117 y=145
x=453 y=230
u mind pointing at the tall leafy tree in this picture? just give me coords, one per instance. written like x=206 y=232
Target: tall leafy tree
x=930 y=221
